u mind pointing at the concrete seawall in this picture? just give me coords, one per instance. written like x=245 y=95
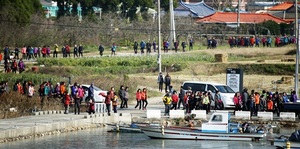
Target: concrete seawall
x=53 y=122
x=50 y=123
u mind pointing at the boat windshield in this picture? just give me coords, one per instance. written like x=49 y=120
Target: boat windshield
x=217 y=118
x=224 y=89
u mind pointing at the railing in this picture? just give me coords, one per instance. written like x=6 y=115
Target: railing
x=100 y=108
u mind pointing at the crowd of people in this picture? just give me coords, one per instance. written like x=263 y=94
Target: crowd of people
x=257 y=41
x=152 y=46
x=264 y=101
x=111 y=97
x=191 y=100
x=71 y=95
x=29 y=52
x=244 y=101
x=187 y=100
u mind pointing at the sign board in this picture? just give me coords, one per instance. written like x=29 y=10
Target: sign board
x=234 y=79
x=265 y=115
x=287 y=116
x=176 y=113
x=200 y=114
x=153 y=114
x=242 y=115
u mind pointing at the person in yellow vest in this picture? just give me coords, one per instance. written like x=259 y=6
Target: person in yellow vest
x=205 y=101
x=55 y=50
x=167 y=101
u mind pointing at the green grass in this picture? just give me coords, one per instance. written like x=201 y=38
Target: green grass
x=126 y=60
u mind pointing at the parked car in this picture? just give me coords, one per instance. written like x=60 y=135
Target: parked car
x=97 y=91
x=226 y=92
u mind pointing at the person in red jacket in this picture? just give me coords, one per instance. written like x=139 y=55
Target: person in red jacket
x=108 y=99
x=44 y=51
x=144 y=98
x=67 y=103
x=138 y=96
x=91 y=107
x=68 y=51
x=174 y=100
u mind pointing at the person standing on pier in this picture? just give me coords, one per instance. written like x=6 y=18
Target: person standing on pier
x=144 y=98
x=181 y=97
x=174 y=100
x=167 y=101
x=160 y=81
x=126 y=97
x=67 y=103
x=121 y=94
x=108 y=99
x=167 y=81
x=138 y=96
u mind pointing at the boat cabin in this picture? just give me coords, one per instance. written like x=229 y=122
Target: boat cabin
x=219 y=122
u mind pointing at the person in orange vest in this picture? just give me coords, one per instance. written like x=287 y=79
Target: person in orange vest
x=138 y=96
x=67 y=102
x=144 y=98
x=62 y=89
x=20 y=88
x=270 y=104
x=257 y=102
x=252 y=41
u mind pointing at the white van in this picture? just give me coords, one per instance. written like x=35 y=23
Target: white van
x=226 y=92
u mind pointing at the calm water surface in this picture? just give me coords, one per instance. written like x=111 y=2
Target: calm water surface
x=101 y=139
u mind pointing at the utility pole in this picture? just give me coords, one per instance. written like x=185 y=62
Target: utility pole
x=238 y=17
x=297 y=51
x=159 y=37
x=172 y=25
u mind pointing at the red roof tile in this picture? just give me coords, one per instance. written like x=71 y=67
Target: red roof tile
x=282 y=6
x=231 y=17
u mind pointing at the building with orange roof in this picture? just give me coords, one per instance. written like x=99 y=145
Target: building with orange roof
x=230 y=18
x=285 y=11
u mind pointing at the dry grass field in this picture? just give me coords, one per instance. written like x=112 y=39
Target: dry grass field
x=203 y=72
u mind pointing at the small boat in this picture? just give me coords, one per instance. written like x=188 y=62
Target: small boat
x=291 y=142
x=125 y=128
x=217 y=128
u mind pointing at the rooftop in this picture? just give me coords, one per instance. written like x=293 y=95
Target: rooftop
x=231 y=17
x=199 y=9
x=282 y=6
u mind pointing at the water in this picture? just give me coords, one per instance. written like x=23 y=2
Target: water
x=101 y=139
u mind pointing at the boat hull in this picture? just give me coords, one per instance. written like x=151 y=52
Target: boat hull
x=283 y=144
x=126 y=130
x=190 y=134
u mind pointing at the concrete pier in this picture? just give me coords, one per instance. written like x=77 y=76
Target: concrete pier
x=51 y=122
